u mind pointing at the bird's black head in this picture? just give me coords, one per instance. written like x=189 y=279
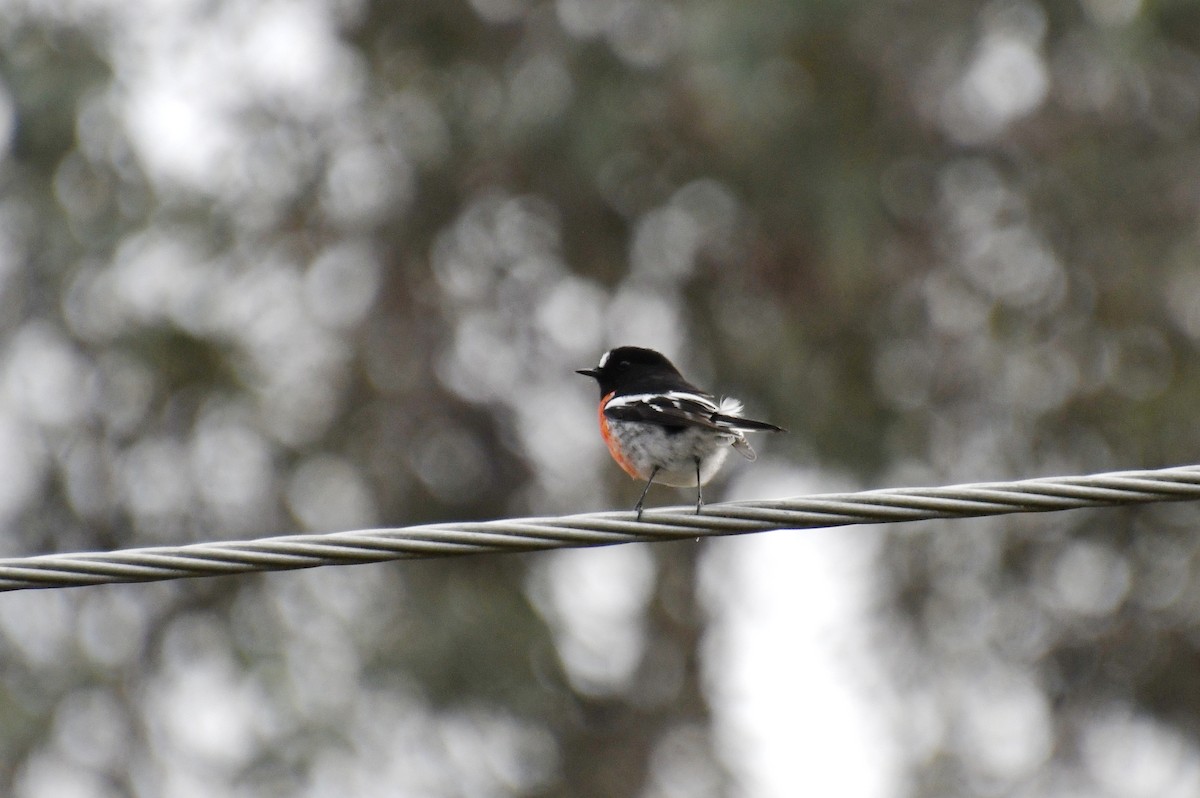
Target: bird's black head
x=630 y=366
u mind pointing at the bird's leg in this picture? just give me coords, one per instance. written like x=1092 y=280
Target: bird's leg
x=699 y=491
x=638 y=507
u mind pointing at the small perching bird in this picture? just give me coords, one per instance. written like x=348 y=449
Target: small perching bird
x=661 y=428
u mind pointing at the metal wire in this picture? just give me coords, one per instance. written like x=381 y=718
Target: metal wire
x=598 y=529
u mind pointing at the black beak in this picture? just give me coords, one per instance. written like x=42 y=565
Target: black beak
x=587 y=372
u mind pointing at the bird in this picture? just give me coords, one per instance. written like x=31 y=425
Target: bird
x=661 y=428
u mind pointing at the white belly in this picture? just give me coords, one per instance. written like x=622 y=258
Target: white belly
x=647 y=446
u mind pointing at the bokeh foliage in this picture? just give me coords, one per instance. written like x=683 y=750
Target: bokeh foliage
x=330 y=263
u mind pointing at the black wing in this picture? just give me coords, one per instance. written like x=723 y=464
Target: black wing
x=692 y=410
x=680 y=410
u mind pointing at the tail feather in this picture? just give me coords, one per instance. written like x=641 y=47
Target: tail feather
x=737 y=422
x=729 y=413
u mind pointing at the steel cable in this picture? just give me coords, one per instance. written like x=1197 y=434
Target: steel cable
x=598 y=529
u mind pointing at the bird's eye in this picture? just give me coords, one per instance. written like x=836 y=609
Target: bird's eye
x=622 y=363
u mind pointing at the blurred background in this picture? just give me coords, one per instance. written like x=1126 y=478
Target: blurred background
x=270 y=266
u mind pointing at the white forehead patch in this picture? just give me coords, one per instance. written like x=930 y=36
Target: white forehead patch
x=603 y=359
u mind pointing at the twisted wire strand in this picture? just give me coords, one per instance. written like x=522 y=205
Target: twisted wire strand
x=599 y=529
